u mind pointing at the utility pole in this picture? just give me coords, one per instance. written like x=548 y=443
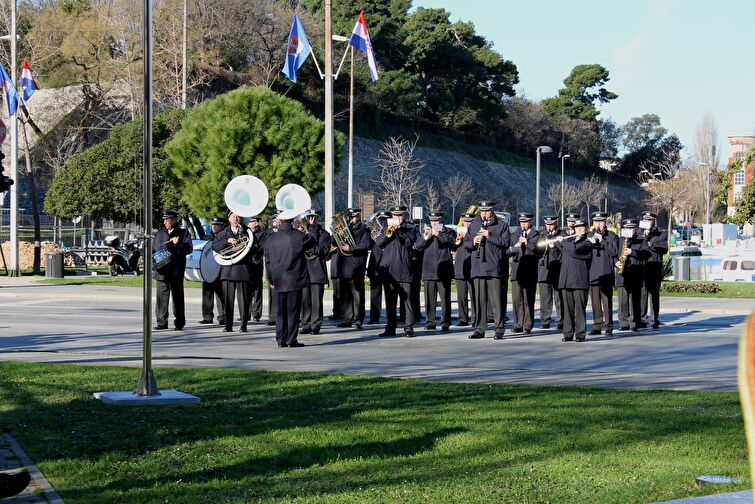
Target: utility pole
x=14 y=262
x=329 y=131
x=184 y=71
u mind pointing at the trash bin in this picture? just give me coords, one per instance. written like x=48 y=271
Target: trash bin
x=54 y=265
x=682 y=269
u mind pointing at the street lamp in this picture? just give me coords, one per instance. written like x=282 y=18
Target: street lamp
x=707 y=193
x=562 y=188
x=545 y=150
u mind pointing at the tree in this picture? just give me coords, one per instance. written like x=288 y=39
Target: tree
x=457 y=189
x=583 y=88
x=432 y=196
x=252 y=131
x=648 y=142
x=745 y=205
x=592 y=192
x=609 y=135
x=666 y=187
x=705 y=167
x=105 y=181
x=746 y=198
x=572 y=197
x=399 y=171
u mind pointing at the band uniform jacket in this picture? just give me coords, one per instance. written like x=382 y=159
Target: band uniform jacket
x=655 y=245
x=241 y=271
x=549 y=261
x=575 y=263
x=285 y=251
x=604 y=256
x=524 y=257
x=462 y=263
x=492 y=260
x=316 y=267
x=354 y=265
x=396 y=261
x=436 y=260
x=174 y=270
x=634 y=265
x=373 y=263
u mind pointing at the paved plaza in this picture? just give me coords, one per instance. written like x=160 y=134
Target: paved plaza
x=695 y=349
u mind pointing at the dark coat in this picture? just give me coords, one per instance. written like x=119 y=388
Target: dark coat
x=576 y=255
x=492 y=260
x=174 y=270
x=396 y=262
x=285 y=251
x=549 y=261
x=373 y=263
x=462 y=263
x=604 y=255
x=354 y=265
x=242 y=270
x=436 y=260
x=524 y=257
x=655 y=245
x=634 y=266
x=316 y=267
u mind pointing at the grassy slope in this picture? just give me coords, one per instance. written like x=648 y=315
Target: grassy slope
x=307 y=437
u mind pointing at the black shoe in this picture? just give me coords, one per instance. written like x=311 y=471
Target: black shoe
x=256 y=319
x=243 y=329
x=476 y=335
x=296 y=344
x=462 y=324
x=160 y=327
x=271 y=322
x=594 y=332
x=545 y=326
x=498 y=336
x=528 y=330
x=178 y=328
x=409 y=333
x=656 y=324
x=430 y=327
x=227 y=329
x=642 y=325
x=444 y=328
x=305 y=330
x=221 y=322
x=387 y=334
x=623 y=328
x=282 y=345
x=316 y=331
x=609 y=332
x=580 y=340
x=13 y=484
x=358 y=326
x=560 y=326
x=344 y=324
x=517 y=330
x=203 y=321
x=567 y=339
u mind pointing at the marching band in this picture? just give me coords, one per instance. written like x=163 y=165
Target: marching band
x=478 y=256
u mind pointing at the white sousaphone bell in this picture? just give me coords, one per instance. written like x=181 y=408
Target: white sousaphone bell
x=292 y=200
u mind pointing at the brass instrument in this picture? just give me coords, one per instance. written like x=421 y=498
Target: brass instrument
x=375 y=226
x=471 y=209
x=341 y=234
x=621 y=263
x=427 y=233
x=302 y=222
x=245 y=196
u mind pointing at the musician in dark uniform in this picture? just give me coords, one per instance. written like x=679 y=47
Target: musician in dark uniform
x=272 y=298
x=571 y=218
x=257 y=271
x=548 y=272
x=376 y=282
x=574 y=281
x=336 y=315
x=524 y=258
x=416 y=268
x=655 y=244
x=462 y=273
x=213 y=290
x=287 y=271
x=630 y=282
x=312 y=296
x=436 y=243
x=397 y=242
x=235 y=277
x=352 y=263
x=488 y=241
x=605 y=252
x=170 y=278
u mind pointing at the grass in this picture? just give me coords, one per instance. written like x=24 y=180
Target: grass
x=307 y=437
x=106 y=279
x=743 y=290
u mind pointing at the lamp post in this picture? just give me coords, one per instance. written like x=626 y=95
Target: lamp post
x=562 y=188
x=545 y=150
x=707 y=192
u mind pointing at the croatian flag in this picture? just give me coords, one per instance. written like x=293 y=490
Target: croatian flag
x=298 y=49
x=11 y=94
x=360 y=39
x=27 y=81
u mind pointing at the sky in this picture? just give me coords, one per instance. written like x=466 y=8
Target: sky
x=679 y=59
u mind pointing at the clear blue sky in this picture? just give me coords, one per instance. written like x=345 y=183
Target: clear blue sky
x=675 y=58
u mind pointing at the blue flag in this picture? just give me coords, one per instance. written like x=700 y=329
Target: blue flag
x=11 y=94
x=297 y=51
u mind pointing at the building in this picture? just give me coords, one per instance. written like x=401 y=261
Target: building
x=739 y=146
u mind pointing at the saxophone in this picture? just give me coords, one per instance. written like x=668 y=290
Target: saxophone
x=471 y=209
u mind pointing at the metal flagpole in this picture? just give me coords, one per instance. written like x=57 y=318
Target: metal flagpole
x=14 y=260
x=329 y=131
x=351 y=132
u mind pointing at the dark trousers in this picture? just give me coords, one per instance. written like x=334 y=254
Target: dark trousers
x=255 y=296
x=651 y=291
x=523 y=303
x=376 y=299
x=210 y=292
x=166 y=289
x=311 y=306
x=240 y=292
x=272 y=304
x=414 y=296
x=395 y=291
x=287 y=316
x=432 y=289
x=489 y=290
x=336 y=299
x=575 y=307
x=601 y=298
x=550 y=295
x=630 y=311
x=351 y=295
x=464 y=290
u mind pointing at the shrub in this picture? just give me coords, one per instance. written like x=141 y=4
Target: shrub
x=690 y=287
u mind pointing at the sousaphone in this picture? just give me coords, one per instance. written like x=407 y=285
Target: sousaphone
x=247 y=197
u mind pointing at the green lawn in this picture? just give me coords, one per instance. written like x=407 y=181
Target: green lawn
x=106 y=279
x=306 y=437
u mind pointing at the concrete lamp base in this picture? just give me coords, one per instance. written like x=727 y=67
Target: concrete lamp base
x=164 y=398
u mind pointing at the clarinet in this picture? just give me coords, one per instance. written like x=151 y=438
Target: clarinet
x=482 y=240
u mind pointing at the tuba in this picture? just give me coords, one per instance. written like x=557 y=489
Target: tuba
x=245 y=196
x=341 y=234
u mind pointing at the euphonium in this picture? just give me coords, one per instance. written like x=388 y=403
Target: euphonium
x=341 y=233
x=471 y=209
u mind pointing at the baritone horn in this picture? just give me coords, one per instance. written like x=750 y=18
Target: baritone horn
x=246 y=196
x=342 y=234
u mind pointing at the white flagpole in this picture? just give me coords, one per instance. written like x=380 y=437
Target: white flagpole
x=351 y=132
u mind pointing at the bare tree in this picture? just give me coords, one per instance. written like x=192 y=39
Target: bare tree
x=432 y=196
x=667 y=188
x=706 y=159
x=399 y=171
x=592 y=191
x=572 y=197
x=457 y=189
